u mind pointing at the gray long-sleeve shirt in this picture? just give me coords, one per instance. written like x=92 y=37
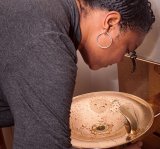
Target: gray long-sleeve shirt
x=38 y=41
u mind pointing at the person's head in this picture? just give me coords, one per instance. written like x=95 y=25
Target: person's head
x=111 y=28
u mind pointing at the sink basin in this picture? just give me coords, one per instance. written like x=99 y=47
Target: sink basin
x=96 y=121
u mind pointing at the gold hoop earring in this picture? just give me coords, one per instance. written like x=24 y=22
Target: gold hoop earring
x=110 y=38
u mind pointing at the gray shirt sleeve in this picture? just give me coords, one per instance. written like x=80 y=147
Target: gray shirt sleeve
x=38 y=71
x=39 y=86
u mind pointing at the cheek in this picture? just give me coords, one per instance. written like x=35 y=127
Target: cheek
x=118 y=54
x=91 y=42
x=120 y=48
x=119 y=58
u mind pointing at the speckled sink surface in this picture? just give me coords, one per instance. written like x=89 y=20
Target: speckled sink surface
x=96 y=121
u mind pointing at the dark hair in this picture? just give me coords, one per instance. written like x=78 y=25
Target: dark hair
x=135 y=14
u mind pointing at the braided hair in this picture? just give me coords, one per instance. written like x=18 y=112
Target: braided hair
x=135 y=14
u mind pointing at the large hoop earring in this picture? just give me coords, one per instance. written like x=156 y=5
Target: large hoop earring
x=110 y=38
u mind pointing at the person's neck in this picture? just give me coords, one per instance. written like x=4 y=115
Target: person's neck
x=79 y=5
x=82 y=12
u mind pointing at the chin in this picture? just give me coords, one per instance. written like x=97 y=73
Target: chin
x=93 y=67
x=96 y=67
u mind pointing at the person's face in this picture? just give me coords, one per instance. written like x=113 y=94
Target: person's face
x=92 y=25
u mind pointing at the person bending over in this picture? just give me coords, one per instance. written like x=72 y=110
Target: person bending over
x=38 y=44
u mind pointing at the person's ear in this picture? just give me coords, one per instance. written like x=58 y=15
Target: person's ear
x=112 y=20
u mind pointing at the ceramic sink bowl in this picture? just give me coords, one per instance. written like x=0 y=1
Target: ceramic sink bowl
x=96 y=120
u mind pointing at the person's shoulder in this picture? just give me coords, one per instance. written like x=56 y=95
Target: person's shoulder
x=20 y=6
